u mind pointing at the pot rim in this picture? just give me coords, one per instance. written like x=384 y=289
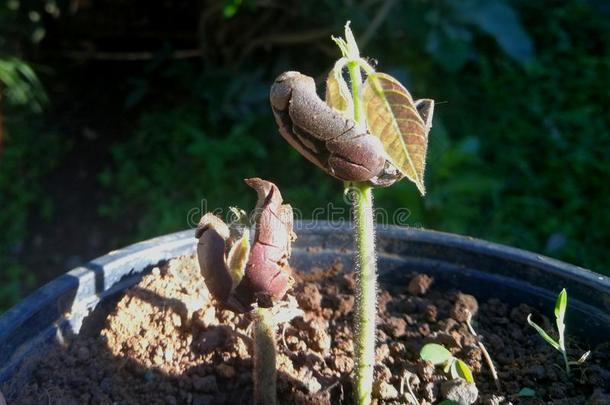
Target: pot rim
x=69 y=298
x=157 y=249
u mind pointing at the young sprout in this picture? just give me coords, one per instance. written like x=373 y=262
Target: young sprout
x=406 y=379
x=486 y=355
x=371 y=133
x=561 y=306
x=440 y=356
x=252 y=277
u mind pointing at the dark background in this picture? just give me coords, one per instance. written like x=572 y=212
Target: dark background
x=119 y=117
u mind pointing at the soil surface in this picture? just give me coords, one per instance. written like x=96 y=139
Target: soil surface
x=166 y=342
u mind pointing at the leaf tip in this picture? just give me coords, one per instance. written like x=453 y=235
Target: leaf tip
x=352 y=46
x=561 y=304
x=421 y=187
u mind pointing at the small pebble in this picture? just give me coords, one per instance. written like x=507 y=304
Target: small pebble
x=420 y=284
x=464 y=304
x=396 y=326
x=384 y=390
x=344 y=364
x=310 y=298
x=459 y=391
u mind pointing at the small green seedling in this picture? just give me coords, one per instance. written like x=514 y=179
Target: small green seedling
x=440 y=356
x=560 y=345
x=370 y=133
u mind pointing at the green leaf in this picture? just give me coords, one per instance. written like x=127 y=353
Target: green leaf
x=435 y=353
x=448 y=402
x=561 y=304
x=527 y=393
x=463 y=371
x=392 y=116
x=542 y=333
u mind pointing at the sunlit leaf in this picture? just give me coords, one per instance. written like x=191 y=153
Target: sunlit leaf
x=463 y=371
x=392 y=116
x=561 y=304
x=542 y=333
x=337 y=92
x=435 y=353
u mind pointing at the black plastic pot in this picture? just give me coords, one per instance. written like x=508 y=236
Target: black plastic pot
x=61 y=308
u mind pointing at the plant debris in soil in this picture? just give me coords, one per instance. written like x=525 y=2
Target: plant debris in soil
x=166 y=342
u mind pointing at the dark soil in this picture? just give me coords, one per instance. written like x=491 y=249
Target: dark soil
x=167 y=343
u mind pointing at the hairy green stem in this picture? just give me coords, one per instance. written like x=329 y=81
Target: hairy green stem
x=264 y=358
x=366 y=295
x=366 y=285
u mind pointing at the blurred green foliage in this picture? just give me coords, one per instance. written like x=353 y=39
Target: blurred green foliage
x=519 y=151
x=30 y=153
x=27 y=151
x=21 y=85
